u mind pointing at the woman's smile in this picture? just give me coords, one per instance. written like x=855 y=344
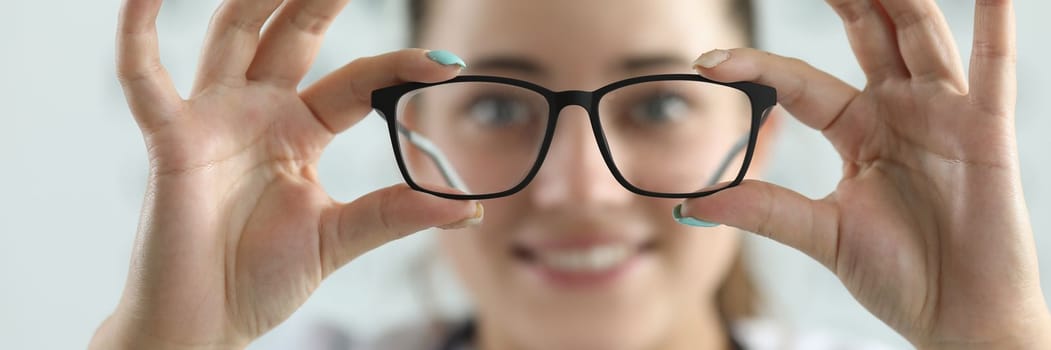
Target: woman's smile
x=584 y=261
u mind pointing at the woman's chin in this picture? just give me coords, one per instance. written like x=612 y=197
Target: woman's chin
x=616 y=309
x=573 y=331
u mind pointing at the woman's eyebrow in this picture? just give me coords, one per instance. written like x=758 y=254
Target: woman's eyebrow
x=524 y=66
x=644 y=62
x=507 y=64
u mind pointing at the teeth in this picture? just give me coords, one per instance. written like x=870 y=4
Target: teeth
x=587 y=260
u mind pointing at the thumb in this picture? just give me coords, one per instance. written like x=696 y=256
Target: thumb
x=815 y=97
x=351 y=229
x=772 y=211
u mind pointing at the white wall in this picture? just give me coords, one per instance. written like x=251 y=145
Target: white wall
x=72 y=167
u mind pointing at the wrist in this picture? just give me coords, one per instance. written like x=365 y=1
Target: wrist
x=113 y=334
x=1037 y=335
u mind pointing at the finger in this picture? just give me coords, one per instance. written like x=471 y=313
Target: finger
x=352 y=229
x=232 y=40
x=342 y=98
x=812 y=96
x=772 y=211
x=147 y=85
x=292 y=41
x=993 y=62
x=926 y=43
x=872 y=38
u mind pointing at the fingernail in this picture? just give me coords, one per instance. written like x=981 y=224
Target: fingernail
x=446 y=58
x=689 y=221
x=479 y=213
x=712 y=58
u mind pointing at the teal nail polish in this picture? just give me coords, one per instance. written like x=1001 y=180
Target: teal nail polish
x=446 y=58
x=688 y=221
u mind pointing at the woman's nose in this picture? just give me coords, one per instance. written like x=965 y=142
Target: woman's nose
x=574 y=172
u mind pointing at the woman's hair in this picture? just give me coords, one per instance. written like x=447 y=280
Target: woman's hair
x=737 y=297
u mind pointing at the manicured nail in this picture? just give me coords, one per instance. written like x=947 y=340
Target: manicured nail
x=689 y=221
x=479 y=213
x=446 y=58
x=712 y=58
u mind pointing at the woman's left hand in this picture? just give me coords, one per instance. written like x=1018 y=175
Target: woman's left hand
x=928 y=227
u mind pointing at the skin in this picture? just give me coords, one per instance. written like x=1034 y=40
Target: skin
x=667 y=302
x=928 y=227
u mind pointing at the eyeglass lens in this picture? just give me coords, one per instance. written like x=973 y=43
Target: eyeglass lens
x=673 y=137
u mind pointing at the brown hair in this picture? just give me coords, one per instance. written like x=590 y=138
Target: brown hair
x=738 y=296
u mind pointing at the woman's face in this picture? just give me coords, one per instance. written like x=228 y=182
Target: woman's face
x=575 y=260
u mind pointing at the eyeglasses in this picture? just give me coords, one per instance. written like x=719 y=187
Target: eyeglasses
x=667 y=136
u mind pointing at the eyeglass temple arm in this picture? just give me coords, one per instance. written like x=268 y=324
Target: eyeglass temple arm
x=733 y=153
x=726 y=160
x=435 y=154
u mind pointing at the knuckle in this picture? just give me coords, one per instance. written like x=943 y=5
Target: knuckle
x=990 y=49
x=769 y=58
x=359 y=93
x=797 y=63
x=852 y=11
x=384 y=211
x=795 y=92
x=991 y=109
x=764 y=225
x=230 y=16
x=906 y=20
x=311 y=21
x=129 y=73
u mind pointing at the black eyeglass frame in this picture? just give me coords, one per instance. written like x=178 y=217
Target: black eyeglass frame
x=385 y=101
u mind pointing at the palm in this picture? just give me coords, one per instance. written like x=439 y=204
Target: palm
x=905 y=249
x=236 y=231
x=248 y=154
x=928 y=226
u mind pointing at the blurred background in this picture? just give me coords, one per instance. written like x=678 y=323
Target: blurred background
x=74 y=168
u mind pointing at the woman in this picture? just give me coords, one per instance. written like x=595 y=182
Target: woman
x=927 y=229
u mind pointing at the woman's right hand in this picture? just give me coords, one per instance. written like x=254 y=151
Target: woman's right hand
x=236 y=231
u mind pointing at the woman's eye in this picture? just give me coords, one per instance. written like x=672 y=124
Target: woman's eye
x=660 y=108
x=498 y=112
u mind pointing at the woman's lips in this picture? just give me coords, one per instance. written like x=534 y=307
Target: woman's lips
x=575 y=264
x=591 y=259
